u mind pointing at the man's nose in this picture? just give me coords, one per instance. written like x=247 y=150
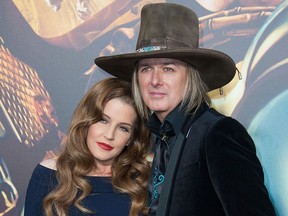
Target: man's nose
x=156 y=78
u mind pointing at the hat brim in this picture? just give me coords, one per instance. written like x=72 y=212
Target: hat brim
x=216 y=68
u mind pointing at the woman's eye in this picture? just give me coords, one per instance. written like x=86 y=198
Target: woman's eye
x=125 y=129
x=103 y=120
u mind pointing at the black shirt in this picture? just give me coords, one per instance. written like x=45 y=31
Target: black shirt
x=165 y=134
x=170 y=127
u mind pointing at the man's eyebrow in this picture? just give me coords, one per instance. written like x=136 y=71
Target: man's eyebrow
x=162 y=63
x=168 y=63
x=142 y=64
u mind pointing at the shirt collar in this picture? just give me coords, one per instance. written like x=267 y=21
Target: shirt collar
x=171 y=125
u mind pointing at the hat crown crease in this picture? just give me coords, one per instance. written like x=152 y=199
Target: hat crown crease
x=168 y=29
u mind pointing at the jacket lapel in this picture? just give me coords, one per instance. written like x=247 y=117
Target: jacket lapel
x=172 y=166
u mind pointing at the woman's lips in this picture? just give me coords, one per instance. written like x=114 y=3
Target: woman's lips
x=104 y=146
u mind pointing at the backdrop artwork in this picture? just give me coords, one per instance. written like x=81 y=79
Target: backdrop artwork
x=47 y=52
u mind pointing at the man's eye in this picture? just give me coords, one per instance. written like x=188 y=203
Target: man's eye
x=168 y=69
x=145 y=69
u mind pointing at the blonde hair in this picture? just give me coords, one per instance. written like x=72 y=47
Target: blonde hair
x=130 y=171
x=195 y=92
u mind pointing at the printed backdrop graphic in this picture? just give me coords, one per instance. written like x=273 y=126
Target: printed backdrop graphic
x=47 y=52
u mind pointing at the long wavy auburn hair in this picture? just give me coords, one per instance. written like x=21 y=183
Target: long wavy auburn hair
x=130 y=170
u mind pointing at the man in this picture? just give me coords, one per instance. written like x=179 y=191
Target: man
x=205 y=163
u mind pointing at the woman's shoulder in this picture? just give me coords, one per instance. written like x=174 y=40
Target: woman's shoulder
x=43 y=173
x=49 y=163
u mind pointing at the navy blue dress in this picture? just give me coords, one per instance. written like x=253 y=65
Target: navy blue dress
x=103 y=200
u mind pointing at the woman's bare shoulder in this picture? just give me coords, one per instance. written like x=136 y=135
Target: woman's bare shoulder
x=49 y=163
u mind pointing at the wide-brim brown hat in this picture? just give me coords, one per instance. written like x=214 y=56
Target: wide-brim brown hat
x=171 y=31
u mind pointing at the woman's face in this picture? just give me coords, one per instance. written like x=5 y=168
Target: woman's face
x=107 y=138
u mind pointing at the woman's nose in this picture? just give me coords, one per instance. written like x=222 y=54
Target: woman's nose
x=110 y=133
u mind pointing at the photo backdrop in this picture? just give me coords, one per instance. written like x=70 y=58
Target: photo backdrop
x=47 y=52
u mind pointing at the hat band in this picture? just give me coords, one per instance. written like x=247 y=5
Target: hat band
x=161 y=44
x=150 y=49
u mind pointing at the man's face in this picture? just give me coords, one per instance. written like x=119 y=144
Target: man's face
x=162 y=84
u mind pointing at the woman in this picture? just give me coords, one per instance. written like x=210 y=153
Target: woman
x=101 y=169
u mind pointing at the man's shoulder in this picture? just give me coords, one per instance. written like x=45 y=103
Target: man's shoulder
x=211 y=115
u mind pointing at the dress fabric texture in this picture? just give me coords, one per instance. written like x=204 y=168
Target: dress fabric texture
x=103 y=200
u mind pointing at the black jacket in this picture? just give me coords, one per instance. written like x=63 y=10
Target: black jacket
x=216 y=171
